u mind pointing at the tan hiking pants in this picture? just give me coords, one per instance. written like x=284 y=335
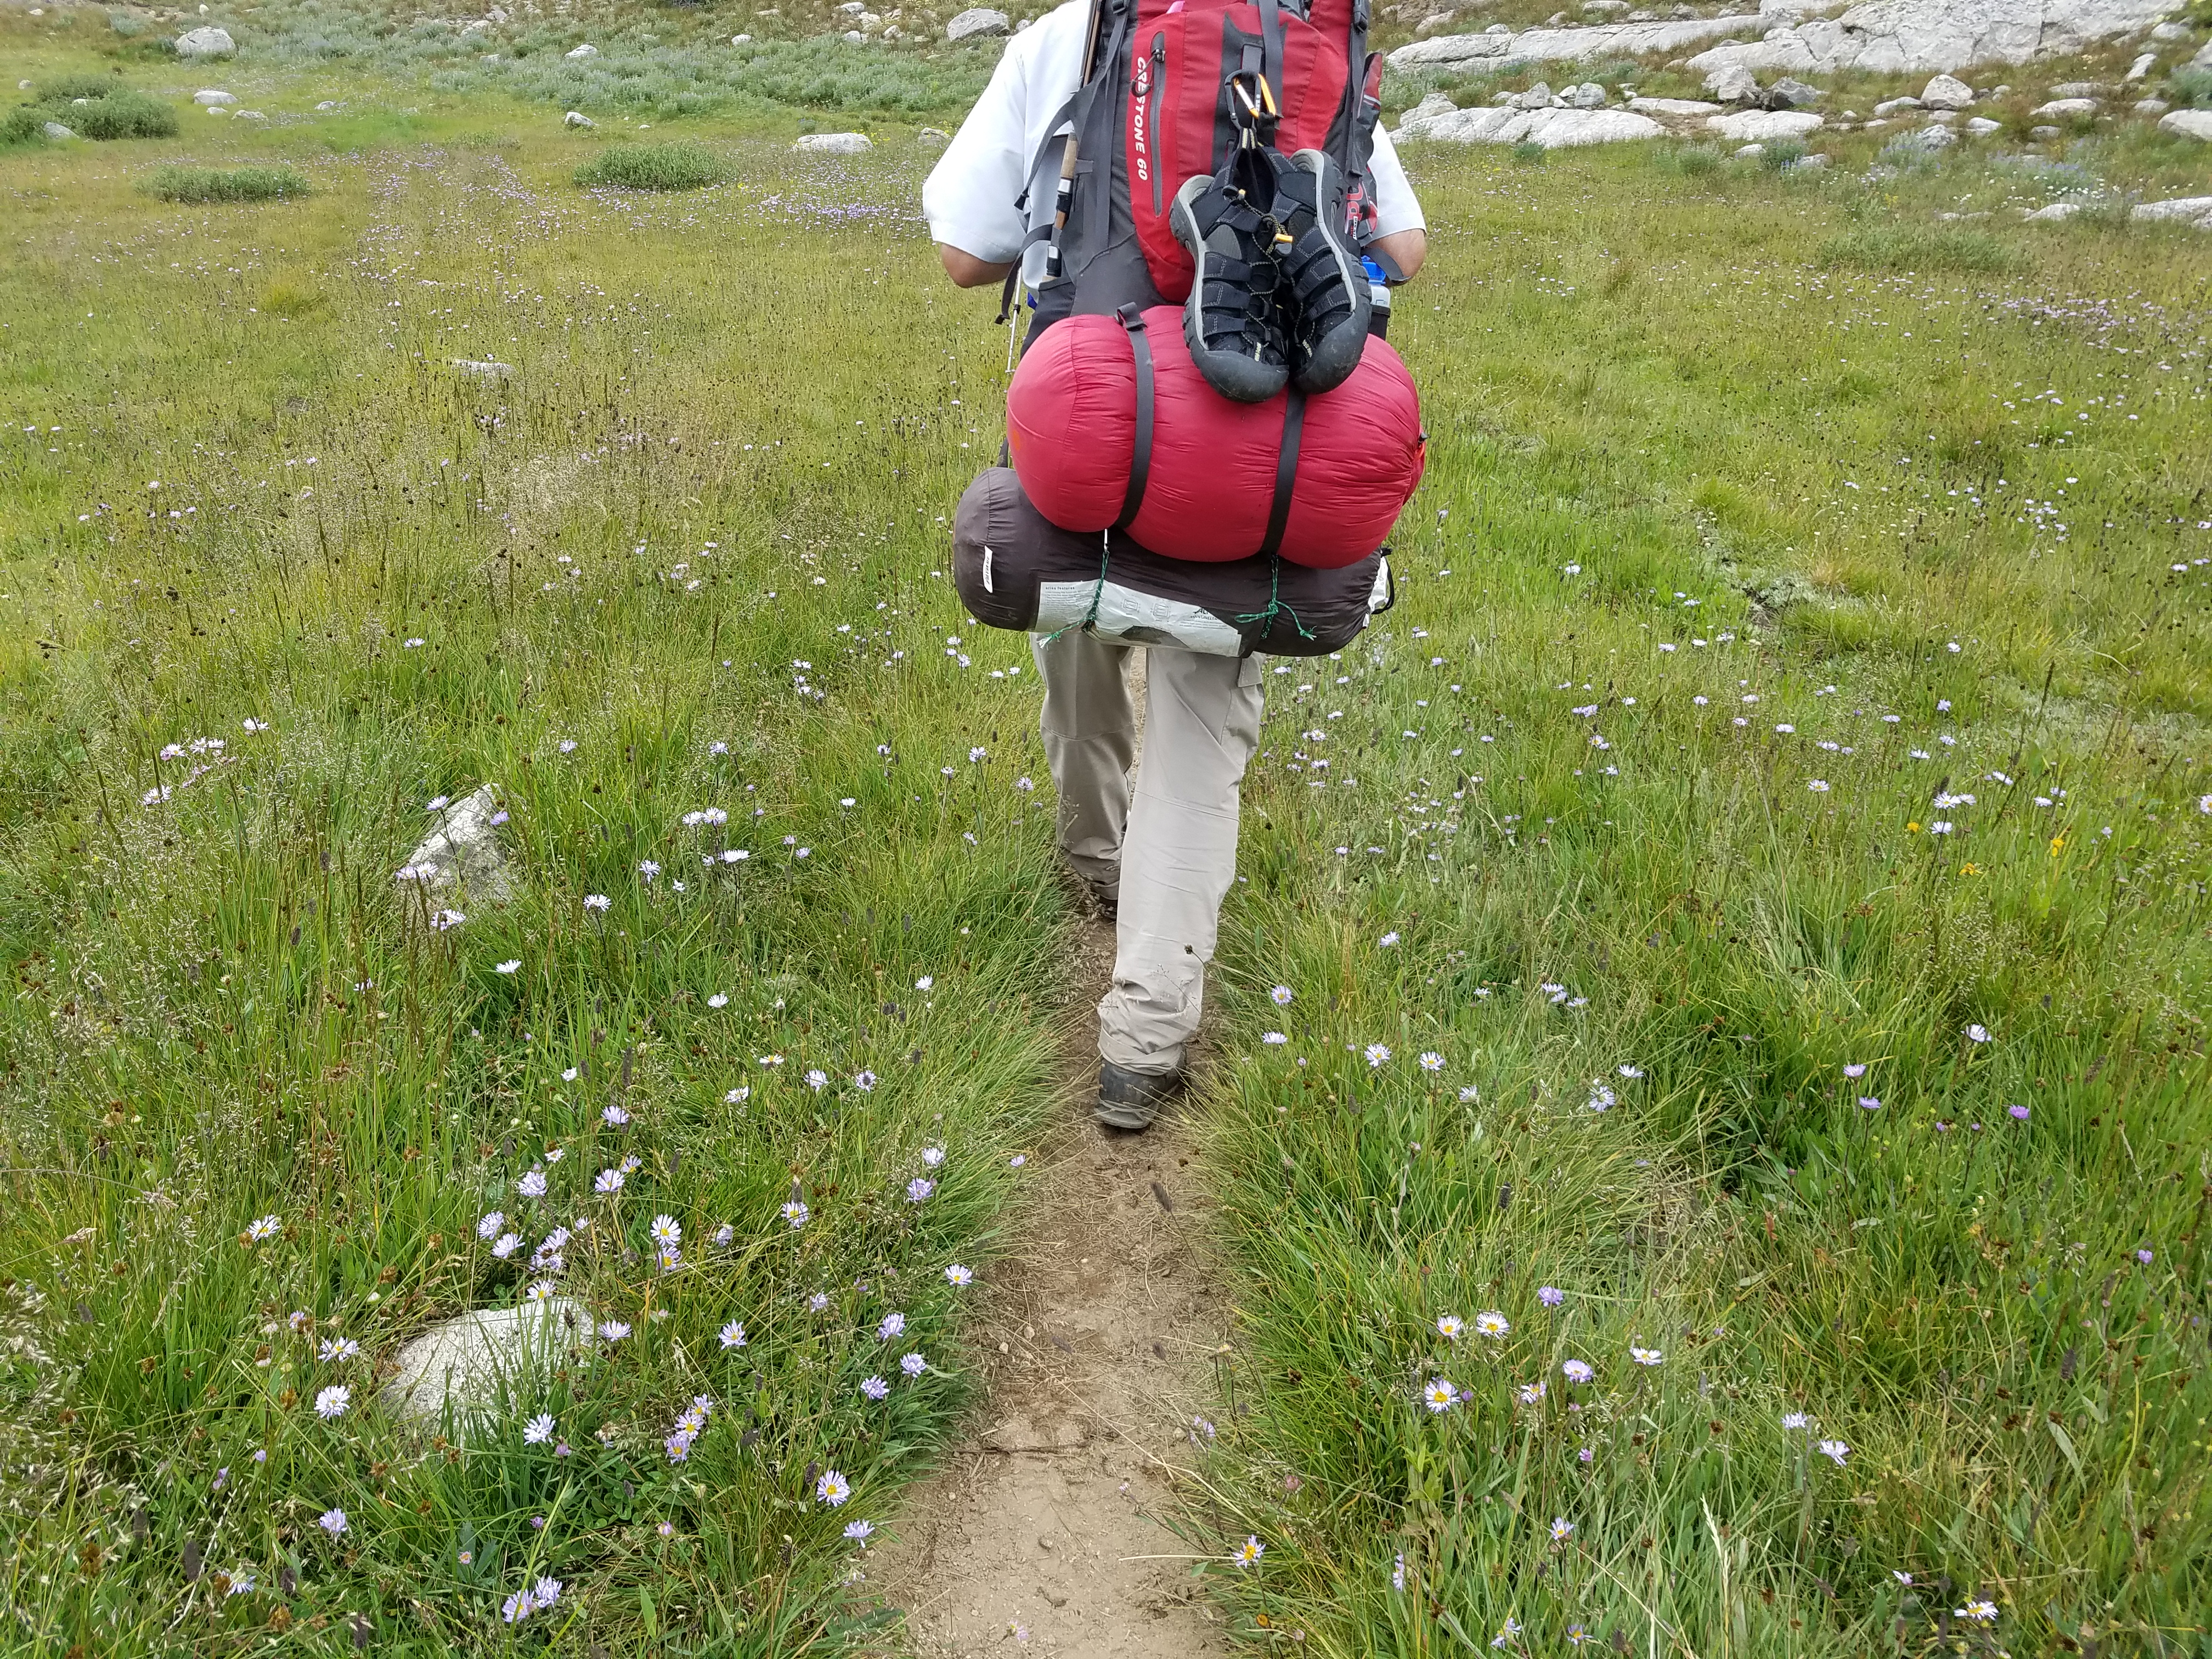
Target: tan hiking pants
x=1171 y=849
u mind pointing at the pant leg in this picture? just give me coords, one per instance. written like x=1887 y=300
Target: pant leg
x=1089 y=739
x=1202 y=726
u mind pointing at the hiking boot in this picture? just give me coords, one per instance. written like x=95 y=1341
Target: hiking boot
x=1108 y=901
x=1131 y=1100
x=1234 y=320
x=1328 y=294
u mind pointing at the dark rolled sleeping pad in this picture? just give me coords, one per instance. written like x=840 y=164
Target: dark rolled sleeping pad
x=1017 y=569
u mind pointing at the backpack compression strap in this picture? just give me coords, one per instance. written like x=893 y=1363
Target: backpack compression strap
x=1286 y=471
x=1140 y=461
x=1270 y=43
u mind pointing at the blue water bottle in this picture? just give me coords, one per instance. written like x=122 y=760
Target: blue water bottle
x=1378 y=294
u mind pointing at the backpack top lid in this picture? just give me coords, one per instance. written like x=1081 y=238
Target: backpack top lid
x=1158 y=111
x=1330 y=16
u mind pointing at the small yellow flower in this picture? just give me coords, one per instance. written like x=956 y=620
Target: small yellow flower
x=2057 y=845
x=1912 y=827
x=1969 y=869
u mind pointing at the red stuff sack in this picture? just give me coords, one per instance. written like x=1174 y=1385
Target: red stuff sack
x=1110 y=426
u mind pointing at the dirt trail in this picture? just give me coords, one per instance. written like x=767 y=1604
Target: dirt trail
x=1039 y=1534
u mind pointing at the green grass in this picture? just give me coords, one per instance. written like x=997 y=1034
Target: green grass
x=1562 y=783
x=697 y=534
x=1918 y=247
x=652 y=555
x=247 y=184
x=680 y=166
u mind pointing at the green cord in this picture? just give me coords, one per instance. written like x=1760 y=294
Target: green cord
x=1097 y=590
x=1275 y=605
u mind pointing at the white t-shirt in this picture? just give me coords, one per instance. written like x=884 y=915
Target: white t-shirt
x=970 y=196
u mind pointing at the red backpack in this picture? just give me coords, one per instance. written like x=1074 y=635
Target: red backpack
x=1154 y=110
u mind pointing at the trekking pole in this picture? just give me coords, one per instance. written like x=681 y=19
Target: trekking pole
x=1065 y=197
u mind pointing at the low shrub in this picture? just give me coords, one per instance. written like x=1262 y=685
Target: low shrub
x=1692 y=160
x=109 y=110
x=2192 y=87
x=22 y=126
x=83 y=84
x=248 y=184
x=681 y=165
x=1780 y=154
x=123 y=114
x=1530 y=154
x=1917 y=247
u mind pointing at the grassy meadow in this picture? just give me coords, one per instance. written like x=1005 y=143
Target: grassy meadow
x=1710 y=1097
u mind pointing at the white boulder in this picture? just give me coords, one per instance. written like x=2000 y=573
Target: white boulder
x=2182 y=209
x=978 y=20
x=206 y=41
x=2140 y=69
x=1681 y=108
x=55 y=130
x=1499 y=47
x=1927 y=140
x=1732 y=83
x=211 y=99
x=1890 y=107
x=1435 y=120
x=1415 y=122
x=2057 y=214
x=252 y=115
x=1902 y=37
x=2204 y=58
x=587 y=49
x=1537 y=97
x=2188 y=124
x=1947 y=92
x=1589 y=95
x=2065 y=109
x=1764 y=126
x=461 y=855
x=1981 y=126
x=834 y=144
x=472 y=1371
x=577 y=118
x=1570 y=129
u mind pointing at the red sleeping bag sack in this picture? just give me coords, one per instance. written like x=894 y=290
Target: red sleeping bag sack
x=1210 y=487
